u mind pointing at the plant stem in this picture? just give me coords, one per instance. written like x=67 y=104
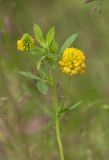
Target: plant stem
x=59 y=138
x=57 y=122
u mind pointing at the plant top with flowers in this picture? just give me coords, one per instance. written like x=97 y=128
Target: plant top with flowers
x=50 y=57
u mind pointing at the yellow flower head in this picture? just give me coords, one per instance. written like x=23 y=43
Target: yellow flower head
x=25 y=43
x=72 y=61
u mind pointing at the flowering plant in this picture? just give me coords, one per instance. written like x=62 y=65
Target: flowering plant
x=50 y=56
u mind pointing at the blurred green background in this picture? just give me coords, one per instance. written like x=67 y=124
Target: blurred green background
x=26 y=130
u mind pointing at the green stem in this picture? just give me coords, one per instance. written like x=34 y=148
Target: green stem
x=59 y=138
x=57 y=123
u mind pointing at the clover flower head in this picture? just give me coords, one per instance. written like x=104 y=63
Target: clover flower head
x=25 y=43
x=72 y=61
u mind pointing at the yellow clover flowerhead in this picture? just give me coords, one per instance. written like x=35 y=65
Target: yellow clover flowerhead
x=72 y=61
x=25 y=43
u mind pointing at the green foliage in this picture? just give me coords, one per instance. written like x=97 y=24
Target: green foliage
x=68 y=109
x=49 y=46
x=42 y=87
x=50 y=50
x=50 y=36
x=68 y=42
x=45 y=74
x=48 y=54
x=29 y=75
x=38 y=35
x=36 y=51
x=85 y=133
x=40 y=62
x=54 y=46
x=75 y=105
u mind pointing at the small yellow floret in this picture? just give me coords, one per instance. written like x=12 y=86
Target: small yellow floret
x=72 y=61
x=25 y=43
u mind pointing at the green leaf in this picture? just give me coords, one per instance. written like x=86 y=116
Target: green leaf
x=44 y=71
x=67 y=109
x=29 y=75
x=75 y=105
x=50 y=35
x=39 y=36
x=54 y=46
x=68 y=42
x=36 y=50
x=42 y=87
x=45 y=74
x=39 y=62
